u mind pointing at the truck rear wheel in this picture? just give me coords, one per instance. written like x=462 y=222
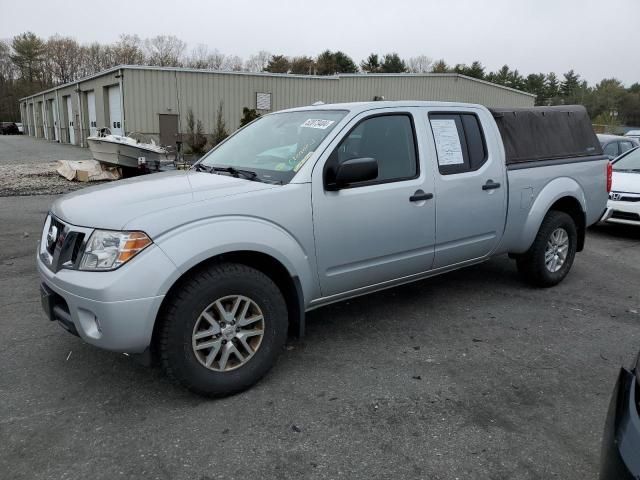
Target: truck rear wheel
x=550 y=257
x=223 y=329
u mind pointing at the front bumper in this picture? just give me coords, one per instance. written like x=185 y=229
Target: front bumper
x=627 y=213
x=620 y=459
x=114 y=310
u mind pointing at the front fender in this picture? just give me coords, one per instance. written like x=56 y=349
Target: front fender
x=193 y=243
x=552 y=192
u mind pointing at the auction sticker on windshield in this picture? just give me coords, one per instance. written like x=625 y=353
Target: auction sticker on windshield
x=317 y=123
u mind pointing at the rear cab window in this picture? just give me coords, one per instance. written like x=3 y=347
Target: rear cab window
x=460 y=142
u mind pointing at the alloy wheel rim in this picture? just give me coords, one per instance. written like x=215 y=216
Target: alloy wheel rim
x=228 y=333
x=555 y=255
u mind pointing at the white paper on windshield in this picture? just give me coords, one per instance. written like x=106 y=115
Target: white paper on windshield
x=448 y=144
x=317 y=123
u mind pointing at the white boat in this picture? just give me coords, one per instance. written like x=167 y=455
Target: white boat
x=125 y=151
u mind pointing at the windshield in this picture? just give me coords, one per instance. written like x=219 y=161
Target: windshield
x=276 y=146
x=630 y=162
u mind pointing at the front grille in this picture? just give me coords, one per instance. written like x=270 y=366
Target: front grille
x=624 y=197
x=61 y=243
x=625 y=215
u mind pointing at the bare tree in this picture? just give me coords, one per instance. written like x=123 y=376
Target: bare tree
x=232 y=63
x=96 y=57
x=202 y=57
x=128 y=50
x=164 y=50
x=7 y=70
x=419 y=64
x=258 y=62
x=64 y=59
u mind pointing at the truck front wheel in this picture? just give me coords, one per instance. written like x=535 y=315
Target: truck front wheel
x=550 y=257
x=223 y=329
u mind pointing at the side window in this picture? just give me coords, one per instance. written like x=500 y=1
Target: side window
x=387 y=138
x=611 y=149
x=625 y=145
x=460 y=142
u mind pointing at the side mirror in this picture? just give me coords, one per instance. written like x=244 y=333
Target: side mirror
x=353 y=170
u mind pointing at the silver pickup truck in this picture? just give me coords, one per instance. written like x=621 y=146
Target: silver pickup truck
x=207 y=270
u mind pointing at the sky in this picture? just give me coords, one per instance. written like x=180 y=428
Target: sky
x=598 y=39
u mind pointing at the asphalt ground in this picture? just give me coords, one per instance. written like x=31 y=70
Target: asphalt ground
x=468 y=375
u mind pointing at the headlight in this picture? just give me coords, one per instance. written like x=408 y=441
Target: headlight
x=107 y=250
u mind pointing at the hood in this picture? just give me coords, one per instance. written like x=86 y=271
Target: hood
x=626 y=182
x=113 y=205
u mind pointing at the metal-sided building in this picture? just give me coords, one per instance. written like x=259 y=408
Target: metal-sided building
x=155 y=101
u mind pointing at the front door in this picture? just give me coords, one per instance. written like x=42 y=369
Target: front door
x=470 y=188
x=168 y=129
x=380 y=230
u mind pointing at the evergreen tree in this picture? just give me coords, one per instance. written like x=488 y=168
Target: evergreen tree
x=28 y=56
x=570 y=84
x=440 y=67
x=371 y=64
x=392 y=63
x=302 y=65
x=278 y=64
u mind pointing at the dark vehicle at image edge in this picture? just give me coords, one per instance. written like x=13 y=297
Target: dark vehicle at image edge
x=621 y=439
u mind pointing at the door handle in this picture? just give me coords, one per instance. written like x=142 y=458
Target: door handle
x=419 y=196
x=490 y=185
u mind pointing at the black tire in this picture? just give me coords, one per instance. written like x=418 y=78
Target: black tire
x=188 y=302
x=532 y=266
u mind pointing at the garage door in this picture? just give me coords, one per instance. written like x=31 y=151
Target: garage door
x=56 y=127
x=91 y=109
x=70 y=126
x=115 y=113
x=45 y=123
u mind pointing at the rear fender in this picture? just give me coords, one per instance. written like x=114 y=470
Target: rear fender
x=553 y=191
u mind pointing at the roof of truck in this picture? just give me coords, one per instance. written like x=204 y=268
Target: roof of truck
x=364 y=106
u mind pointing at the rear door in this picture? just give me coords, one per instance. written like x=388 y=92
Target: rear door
x=470 y=186
x=115 y=111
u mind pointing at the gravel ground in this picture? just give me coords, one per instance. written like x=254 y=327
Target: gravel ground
x=28 y=166
x=470 y=375
x=35 y=179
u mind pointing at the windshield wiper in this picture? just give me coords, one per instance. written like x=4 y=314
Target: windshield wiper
x=199 y=167
x=236 y=172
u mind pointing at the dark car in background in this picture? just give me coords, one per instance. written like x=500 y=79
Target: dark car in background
x=9 y=128
x=615 y=145
x=621 y=440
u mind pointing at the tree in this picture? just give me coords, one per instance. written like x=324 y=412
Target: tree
x=392 y=63
x=371 y=64
x=232 y=63
x=258 y=62
x=220 y=131
x=28 y=55
x=476 y=70
x=419 y=64
x=128 y=50
x=248 y=116
x=195 y=134
x=570 y=84
x=63 y=58
x=553 y=87
x=302 y=65
x=164 y=50
x=278 y=64
x=536 y=83
x=440 y=67
x=330 y=63
x=199 y=57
